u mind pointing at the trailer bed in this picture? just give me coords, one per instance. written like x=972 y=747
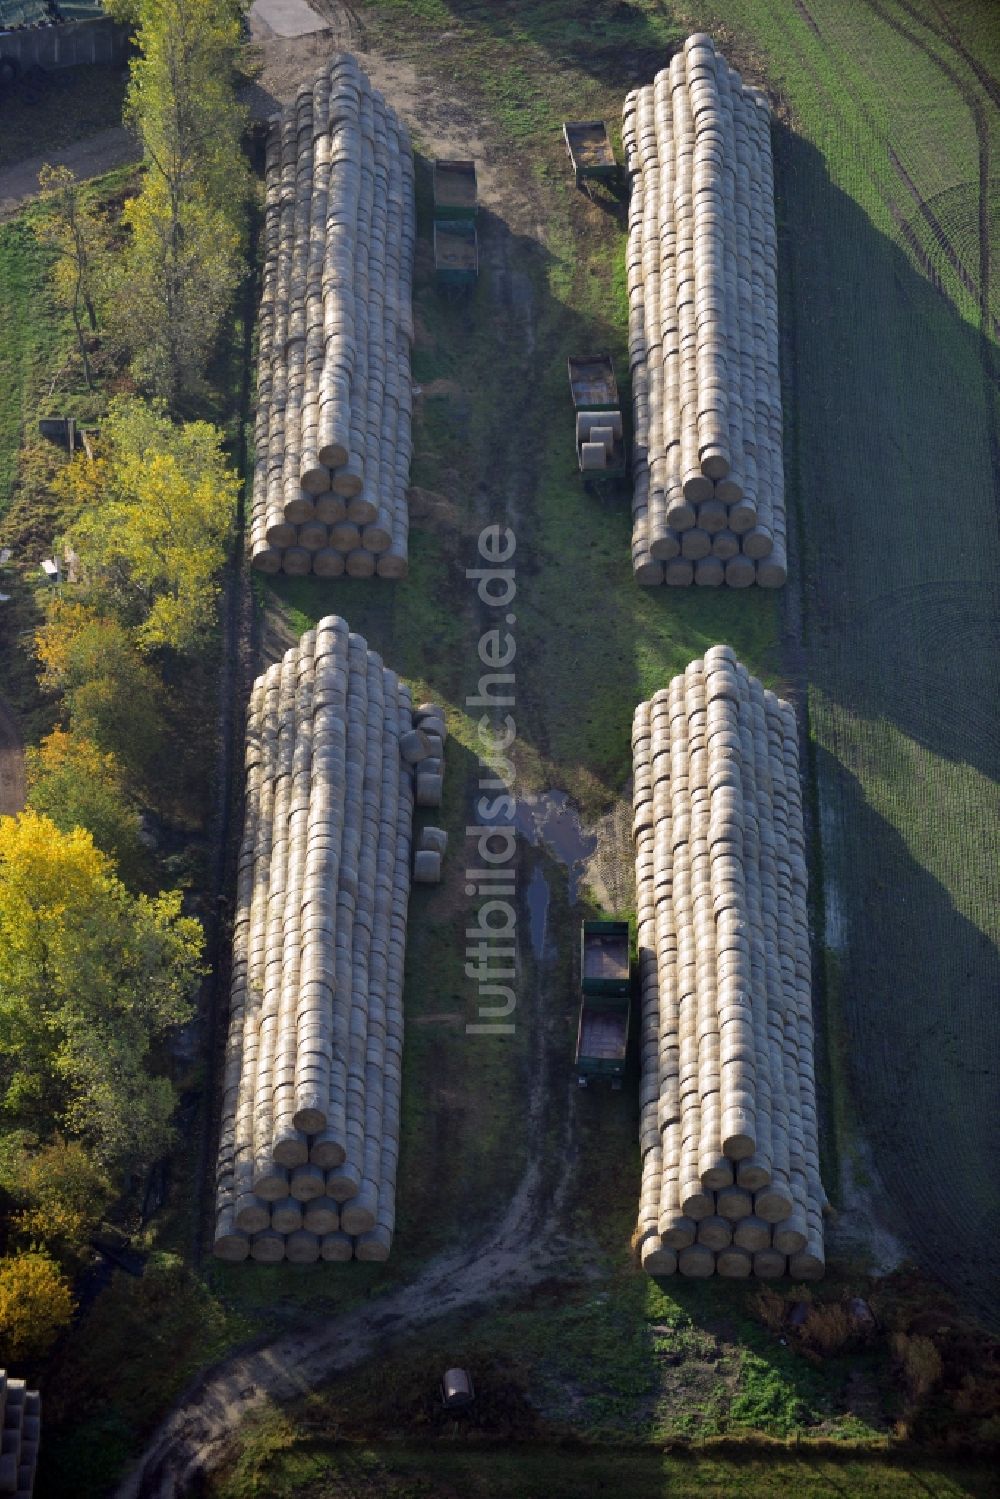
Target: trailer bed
x=592 y=382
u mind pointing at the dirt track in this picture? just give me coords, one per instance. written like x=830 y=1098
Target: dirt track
x=12 y=786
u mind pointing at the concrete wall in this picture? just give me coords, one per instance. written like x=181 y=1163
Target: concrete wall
x=66 y=46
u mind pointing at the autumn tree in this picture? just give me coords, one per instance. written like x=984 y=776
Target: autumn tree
x=92 y=979
x=183 y=260
x=59 y=1190
x=156 y=539
x=111 y=695
x=77 y=784
x=35 y=1305
x=71 y=230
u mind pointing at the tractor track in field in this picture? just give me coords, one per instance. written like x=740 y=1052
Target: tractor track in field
x=978 y=287
x=978 y=284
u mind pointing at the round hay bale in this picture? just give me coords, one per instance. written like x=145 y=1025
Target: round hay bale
x=773 y=1203
x=328 y=563
x=435 y=839
x=297 y=562
x=709 y=572
x=374 y=1245
x=734 y=1203
x=268 y=1248
x=307 y=1183
x=768 y=1264
x=286 y=1216
x=321 y=1216
x=679 y=573
x=734 y=1263
x=715 y=1232
x=266 y=560
x=302 y=1247
x=772 y=572
x=657 y=1258
x=740 y=572
x=360 y=563
x=697 y=1261
x=752 y=1233
x=336 y=1247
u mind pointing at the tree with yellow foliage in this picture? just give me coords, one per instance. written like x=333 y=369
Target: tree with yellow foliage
x=92 y=980
x=60 y=1191
x=35 y=1305
x=77 y=784
x=155 y=540
x=183 y=260
x=112 y=696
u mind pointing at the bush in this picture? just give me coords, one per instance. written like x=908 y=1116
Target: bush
x=62 y=1194
x=920 y=1363
x=35 y=1305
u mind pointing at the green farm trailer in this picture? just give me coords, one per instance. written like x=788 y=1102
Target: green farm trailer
x=455 y=192
x=605 y=1002
x=456 y=255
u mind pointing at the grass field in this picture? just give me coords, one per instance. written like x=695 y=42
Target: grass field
x=891 y=404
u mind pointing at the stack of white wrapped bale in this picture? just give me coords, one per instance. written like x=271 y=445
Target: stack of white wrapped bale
x=311 y=1106
x=708 y=502
x=333 y=439
x=730 y=1175
x=21 y=1420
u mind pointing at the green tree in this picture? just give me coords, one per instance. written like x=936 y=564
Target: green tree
x=111 y=695
x=72 y=232
x=91 y=980
x=77 y=784
x=156 y=539
x=183 y=259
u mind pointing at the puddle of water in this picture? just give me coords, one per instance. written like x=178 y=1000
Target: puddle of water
x=549 y=820
x=538 y=911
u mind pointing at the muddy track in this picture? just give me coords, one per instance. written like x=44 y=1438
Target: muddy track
x=12 y=782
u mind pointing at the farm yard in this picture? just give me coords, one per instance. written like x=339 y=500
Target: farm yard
x=516 y=1194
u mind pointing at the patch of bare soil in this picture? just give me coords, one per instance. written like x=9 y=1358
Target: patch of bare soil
x=13 y=790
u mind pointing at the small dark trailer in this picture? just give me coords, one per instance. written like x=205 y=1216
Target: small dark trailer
x=456 y=255
x=589 y=148
x=455 y=191
x=605 y=1002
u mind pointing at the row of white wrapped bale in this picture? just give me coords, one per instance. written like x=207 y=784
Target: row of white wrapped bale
x=334 y=399
x=730 y=1172
x=708 y=500
x=21 y=1420
x=311 y=1105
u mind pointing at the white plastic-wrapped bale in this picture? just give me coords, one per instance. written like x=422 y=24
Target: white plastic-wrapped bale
x=334 y=400
x=309 y=1142
x=728 y=1127
x=701 y=273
